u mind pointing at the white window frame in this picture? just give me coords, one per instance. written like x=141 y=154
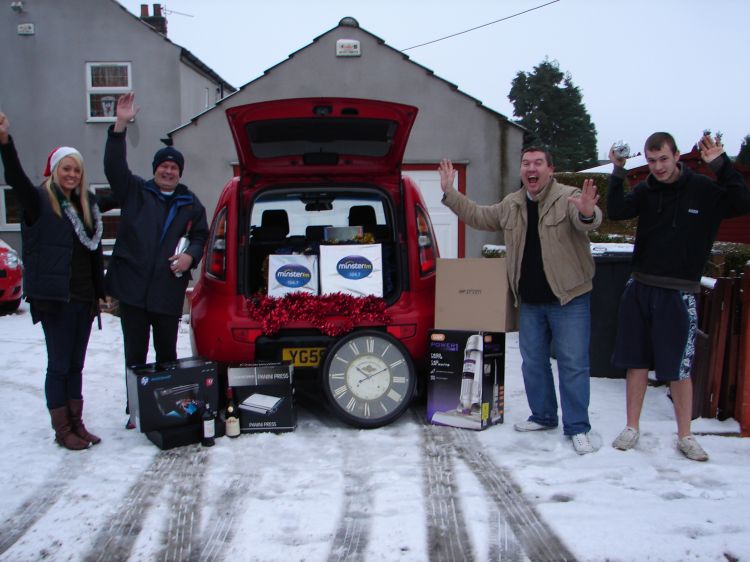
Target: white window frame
x=6 y=226
x=115 y=91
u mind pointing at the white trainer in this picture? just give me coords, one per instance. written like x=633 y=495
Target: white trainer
x=690 y=447
x=627 y=439
x=529 y=425
x=581 y=443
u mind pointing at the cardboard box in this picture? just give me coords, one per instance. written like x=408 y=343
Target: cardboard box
x=466 y=387
x=292 y=274
x=353 y=269
x=170 y=395
x=264 y=395
x=473 y=294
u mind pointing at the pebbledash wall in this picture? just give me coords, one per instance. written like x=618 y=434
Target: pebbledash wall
x=450 y=123
x=47 y=48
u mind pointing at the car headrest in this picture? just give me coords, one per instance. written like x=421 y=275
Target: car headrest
x=275 y=220
x=362 y=215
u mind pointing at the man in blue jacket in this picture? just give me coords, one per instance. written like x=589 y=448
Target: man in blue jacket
x=679 y=213
x=146 y=274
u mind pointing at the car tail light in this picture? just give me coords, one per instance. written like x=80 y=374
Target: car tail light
x=426 y=243
x=216 y=262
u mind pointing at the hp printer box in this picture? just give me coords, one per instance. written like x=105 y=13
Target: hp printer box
x=171 y=395
x=264 y=395
x=466 y=387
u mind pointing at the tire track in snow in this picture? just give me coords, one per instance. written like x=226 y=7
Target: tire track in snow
x=447 y=535
x=353 y=530
x=118 y=535
x=180 y=540
x=41 y=499
x=536 y=539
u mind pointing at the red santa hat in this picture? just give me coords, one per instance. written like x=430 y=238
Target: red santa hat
x=58 y=154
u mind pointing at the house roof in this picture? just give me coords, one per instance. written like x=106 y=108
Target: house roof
x=186 y=56
x=344 y=23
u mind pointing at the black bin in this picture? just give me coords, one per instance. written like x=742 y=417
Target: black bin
x=612 y=273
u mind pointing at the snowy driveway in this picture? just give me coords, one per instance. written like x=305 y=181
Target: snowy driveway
x=408 y=491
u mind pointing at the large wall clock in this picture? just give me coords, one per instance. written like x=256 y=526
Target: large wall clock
x=368 y=378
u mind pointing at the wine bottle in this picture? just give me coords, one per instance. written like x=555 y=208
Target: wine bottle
x=209 y=430
x=231 y=421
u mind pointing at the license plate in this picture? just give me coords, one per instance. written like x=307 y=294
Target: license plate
x=303 y=356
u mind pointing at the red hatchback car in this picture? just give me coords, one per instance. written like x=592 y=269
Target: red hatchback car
x=315 y=172
x=11 y=279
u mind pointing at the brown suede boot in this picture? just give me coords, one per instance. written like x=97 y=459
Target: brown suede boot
x=64 y=432
x=75 y=407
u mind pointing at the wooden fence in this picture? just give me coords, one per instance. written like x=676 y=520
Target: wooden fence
x=721 y=371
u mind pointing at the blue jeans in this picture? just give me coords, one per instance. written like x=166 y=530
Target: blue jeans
x=570 y=328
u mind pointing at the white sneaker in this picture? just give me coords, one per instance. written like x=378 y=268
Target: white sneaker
x=627 y=439
x=581 y=443
x=691 y=449
x=529 y=425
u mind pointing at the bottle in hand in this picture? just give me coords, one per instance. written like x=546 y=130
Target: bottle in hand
x=231 y=420
x=209 y=430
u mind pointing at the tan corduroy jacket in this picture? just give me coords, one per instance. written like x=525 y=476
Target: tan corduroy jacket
x=566 y=251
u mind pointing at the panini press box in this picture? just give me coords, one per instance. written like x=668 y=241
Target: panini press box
x=168 y=398
x=264 y=394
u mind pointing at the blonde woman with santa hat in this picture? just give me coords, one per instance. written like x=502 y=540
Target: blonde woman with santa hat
x=61 y=231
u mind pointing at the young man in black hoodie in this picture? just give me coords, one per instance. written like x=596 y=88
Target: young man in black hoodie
x=679 y=213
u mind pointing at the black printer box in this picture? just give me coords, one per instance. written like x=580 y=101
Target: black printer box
x=264 y=396
x=466 y=387
x=172 y=394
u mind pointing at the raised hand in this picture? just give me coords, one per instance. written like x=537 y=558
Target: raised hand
x=711 y=148
x=616 y=160
x=126 y=111
x=447 y=174
x=4 y=128
x=586 y=202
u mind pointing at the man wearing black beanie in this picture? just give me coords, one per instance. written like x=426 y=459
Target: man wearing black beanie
x=146 y=273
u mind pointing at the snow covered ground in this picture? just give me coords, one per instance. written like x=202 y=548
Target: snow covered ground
x=408 y=491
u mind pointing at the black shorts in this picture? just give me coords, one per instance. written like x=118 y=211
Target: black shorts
x=656 y=330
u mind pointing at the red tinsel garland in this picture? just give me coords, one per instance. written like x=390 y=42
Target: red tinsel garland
x=274 y=312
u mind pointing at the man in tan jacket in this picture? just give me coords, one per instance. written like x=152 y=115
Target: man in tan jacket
x=550 y=269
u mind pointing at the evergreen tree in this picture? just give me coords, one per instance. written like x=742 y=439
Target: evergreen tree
x=550 y=106
x=744 y=156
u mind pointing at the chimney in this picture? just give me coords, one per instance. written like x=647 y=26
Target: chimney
x=157 y=21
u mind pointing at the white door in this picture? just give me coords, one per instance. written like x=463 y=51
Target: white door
x=443 y=220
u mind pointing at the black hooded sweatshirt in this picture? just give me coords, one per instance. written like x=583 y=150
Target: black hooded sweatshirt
x=677 y=222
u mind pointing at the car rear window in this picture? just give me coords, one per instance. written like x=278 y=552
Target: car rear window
x=308 y=210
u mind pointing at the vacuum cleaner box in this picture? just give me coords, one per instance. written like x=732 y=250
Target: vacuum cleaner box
x=353 y=269
x=473 y=294
x=292 y=274
x=265 y=396
x=467 y=378
x=172 y=394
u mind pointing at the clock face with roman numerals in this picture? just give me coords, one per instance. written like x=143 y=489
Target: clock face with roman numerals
x=368 y=378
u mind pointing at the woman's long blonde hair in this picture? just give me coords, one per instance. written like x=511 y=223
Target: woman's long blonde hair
x=81 y=191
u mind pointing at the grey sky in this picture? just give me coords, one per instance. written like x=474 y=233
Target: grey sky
x=642 y=65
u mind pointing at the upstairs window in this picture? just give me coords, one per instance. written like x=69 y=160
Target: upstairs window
x=105 y=82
